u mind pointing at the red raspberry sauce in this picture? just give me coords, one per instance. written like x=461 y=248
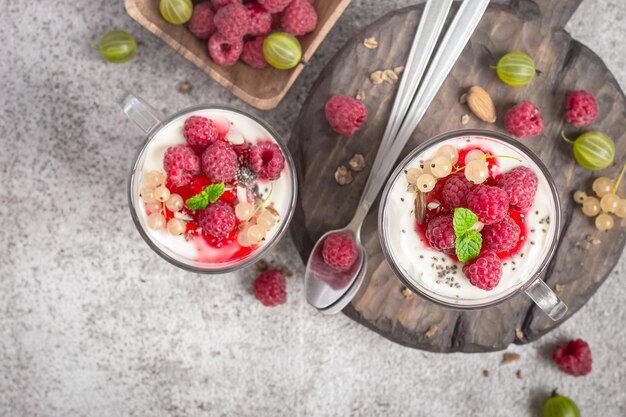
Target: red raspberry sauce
x=494 y=175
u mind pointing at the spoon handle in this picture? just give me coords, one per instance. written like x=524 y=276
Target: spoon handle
x=426 y=35
x=453 y=43
x=455 y=39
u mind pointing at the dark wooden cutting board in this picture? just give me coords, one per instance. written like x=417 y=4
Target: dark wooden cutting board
x=579 y=268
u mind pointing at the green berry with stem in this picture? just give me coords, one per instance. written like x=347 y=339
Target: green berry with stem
x=516 y=69
x=593 y=150
x=117 y=46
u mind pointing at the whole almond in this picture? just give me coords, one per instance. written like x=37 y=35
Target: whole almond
x=481 y=104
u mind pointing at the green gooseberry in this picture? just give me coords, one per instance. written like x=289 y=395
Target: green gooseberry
x=282 y=50
x=560 y=406
x=176 y=12
x=516 y=69
x=593 y=150
x=117 y=46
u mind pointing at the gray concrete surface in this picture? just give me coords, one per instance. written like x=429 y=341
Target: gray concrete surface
x=92 y=323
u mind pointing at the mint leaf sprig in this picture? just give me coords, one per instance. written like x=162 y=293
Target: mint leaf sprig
x=468 y=241
x=209 y=195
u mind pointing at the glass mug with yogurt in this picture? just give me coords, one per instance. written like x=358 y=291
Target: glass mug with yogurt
x=439 y=276
x=212 y=188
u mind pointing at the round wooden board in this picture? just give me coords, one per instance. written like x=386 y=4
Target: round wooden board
x=579 y=268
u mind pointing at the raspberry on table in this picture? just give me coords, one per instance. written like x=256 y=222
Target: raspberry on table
x=501 y=236
x=219 y=162
x=217 y=220
x=440 y=232
x=232 y=21
x=266 y=160
x=339 y=251
x=299 y=18
x=581 y=107
x=523 y=120
x=455 y=190
x=573 y=358
x=181 y=163
x=485 y=271
x=218 y=4
x=199 y=132
x=252 y=53
x=270 y=287
x=274 y=6
x=224 y=51
x=201 y=22
x=490 y=204
x=345 y=114
x=520 y=185
x=260 y=20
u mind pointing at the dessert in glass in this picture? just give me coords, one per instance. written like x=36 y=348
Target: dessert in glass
x=212 y=189
x=471 y=218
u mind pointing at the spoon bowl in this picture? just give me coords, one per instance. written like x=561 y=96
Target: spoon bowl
x=325 y=286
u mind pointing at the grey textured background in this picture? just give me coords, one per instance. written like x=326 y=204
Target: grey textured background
x=92 y=323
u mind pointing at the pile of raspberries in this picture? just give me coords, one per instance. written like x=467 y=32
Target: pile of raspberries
x=236 y=29
x=492 y=204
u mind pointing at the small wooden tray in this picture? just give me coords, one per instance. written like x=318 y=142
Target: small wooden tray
x=261 y=88
x=578 y=268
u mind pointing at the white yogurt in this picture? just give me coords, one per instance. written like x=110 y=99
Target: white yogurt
x=425 y=267
x=198 y=253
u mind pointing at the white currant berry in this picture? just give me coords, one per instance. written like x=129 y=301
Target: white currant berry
x=412 y=174
x=579 y=196
x=591 y=206
x=450 y=152
x=244 y=211
x=266 y=220
x=156 y=221
x=155 y=178
x=147 y=194
x=174 y=203
x=256 y=234
x=602 y=186
x=441 y=166
x=476 y=171
x=474 y=155
x=604 y=222
x=176 y=227
x=154 y=207
x=162 y=193
x=426 y=183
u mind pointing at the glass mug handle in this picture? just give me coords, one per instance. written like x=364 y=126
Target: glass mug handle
x=546 y=299
x=140 y=112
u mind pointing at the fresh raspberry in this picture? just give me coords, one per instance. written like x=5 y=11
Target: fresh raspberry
x=274 y=6
x=454 y=193
x=339 y=251
x=485 y=271
x=299 y=18
x=573 y=358
x=520 y=185
x=224 y=51
x=199 y=132
x=270 y=288
x=181 y=163
x=345 y=114
x=582 y=109
x=440 y=232
x=217 y=220
x=232 y=21
x=253 y=53
x=201 y=22
x=502 y=236
x=489 y=203
x=260 y=20
x=219 y=162
x=218 y=4
x=523 y=120
x=266 y=160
